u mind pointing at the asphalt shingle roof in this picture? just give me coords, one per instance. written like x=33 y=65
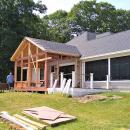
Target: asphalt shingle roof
x=56 y=47
x=102 y=45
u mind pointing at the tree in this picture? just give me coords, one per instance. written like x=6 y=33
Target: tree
x=92 y=16
x=84 y=16
x=58 y=26
x=120 y=21
x=105 y=12
x=18 y=19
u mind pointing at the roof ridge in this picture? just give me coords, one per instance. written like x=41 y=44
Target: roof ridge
x=108 y=35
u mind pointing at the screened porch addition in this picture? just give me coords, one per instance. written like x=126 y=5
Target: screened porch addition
x=107 y=72
x=33 y=67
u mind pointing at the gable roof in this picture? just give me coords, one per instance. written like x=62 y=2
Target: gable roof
x=102 y=45
x=55 y=47
x=48 y=46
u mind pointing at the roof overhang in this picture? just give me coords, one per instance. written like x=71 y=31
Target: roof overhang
x=109 y=55
x=22 y=45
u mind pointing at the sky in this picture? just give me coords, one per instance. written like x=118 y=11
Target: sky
x=54 y=5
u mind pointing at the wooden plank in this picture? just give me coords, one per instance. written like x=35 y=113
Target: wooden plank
x=39 y=125
x=28 y=124
x=62 y=118
x=18 y=123
x=44 y=59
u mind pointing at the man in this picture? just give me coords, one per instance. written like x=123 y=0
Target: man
x=10 y=80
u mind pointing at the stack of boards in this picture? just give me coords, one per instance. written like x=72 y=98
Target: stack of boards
x=19 y=122
x=44 y=114
x=49 y=116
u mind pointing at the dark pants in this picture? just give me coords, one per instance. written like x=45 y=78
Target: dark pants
x=10 y=85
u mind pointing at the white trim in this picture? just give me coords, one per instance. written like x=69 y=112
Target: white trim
x=126 y=81
x=120 y=81
x=66 y=64
x=107 y=54
x=97 y=81
x=109 y=69
x=25 y=68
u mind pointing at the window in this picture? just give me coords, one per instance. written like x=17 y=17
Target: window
x=120 y=68
x=67 y=70
x=98 y=68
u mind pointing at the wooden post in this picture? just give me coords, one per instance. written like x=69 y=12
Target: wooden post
x=107 y=83
x=51 y=80
x=15 y=73
x=29 y=67
x=57 y=69
x=73 y=79
x=91 y=80
x=76 y=71
x=46 y=72
x=37 y=67
x=22 y=69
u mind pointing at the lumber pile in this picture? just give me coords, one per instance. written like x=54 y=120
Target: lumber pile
x=18 y=122
x=49 y=116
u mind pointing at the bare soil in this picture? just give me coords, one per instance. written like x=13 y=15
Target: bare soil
x=91 y=98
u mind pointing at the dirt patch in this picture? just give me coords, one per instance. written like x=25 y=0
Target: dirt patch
x=90 y=98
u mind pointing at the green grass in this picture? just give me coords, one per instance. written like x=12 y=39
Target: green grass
x=98 y=115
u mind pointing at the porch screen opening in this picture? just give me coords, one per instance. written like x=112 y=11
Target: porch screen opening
x=98 y=68
x=41 y=74
x=24 y=74
x=67 y=70
x=120 y=68
x=19 y=74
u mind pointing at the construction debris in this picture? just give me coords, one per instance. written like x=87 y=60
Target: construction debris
x=90 y=98
x=49 y=116
x=18 y=122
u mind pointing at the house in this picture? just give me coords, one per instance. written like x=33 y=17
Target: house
x=99 y=61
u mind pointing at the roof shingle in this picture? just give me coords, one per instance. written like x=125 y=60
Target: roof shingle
x=102 y=45
x=56 y=47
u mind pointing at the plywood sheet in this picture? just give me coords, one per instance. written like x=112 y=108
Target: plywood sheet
x=48 y=115
x=44 y=113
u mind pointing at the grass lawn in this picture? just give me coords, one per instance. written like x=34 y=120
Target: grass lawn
x=98 y=115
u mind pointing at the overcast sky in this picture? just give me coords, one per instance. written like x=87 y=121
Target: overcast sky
x=54 y=5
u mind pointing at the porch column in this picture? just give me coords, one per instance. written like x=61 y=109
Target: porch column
x=83 y=74
x=15 y=73
x=91 y=80
x=57 y=70
x=109 y=69
x=22 y=69
x=29 y=67
x=46 y=72
x=76 y=72
x=37 y=67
